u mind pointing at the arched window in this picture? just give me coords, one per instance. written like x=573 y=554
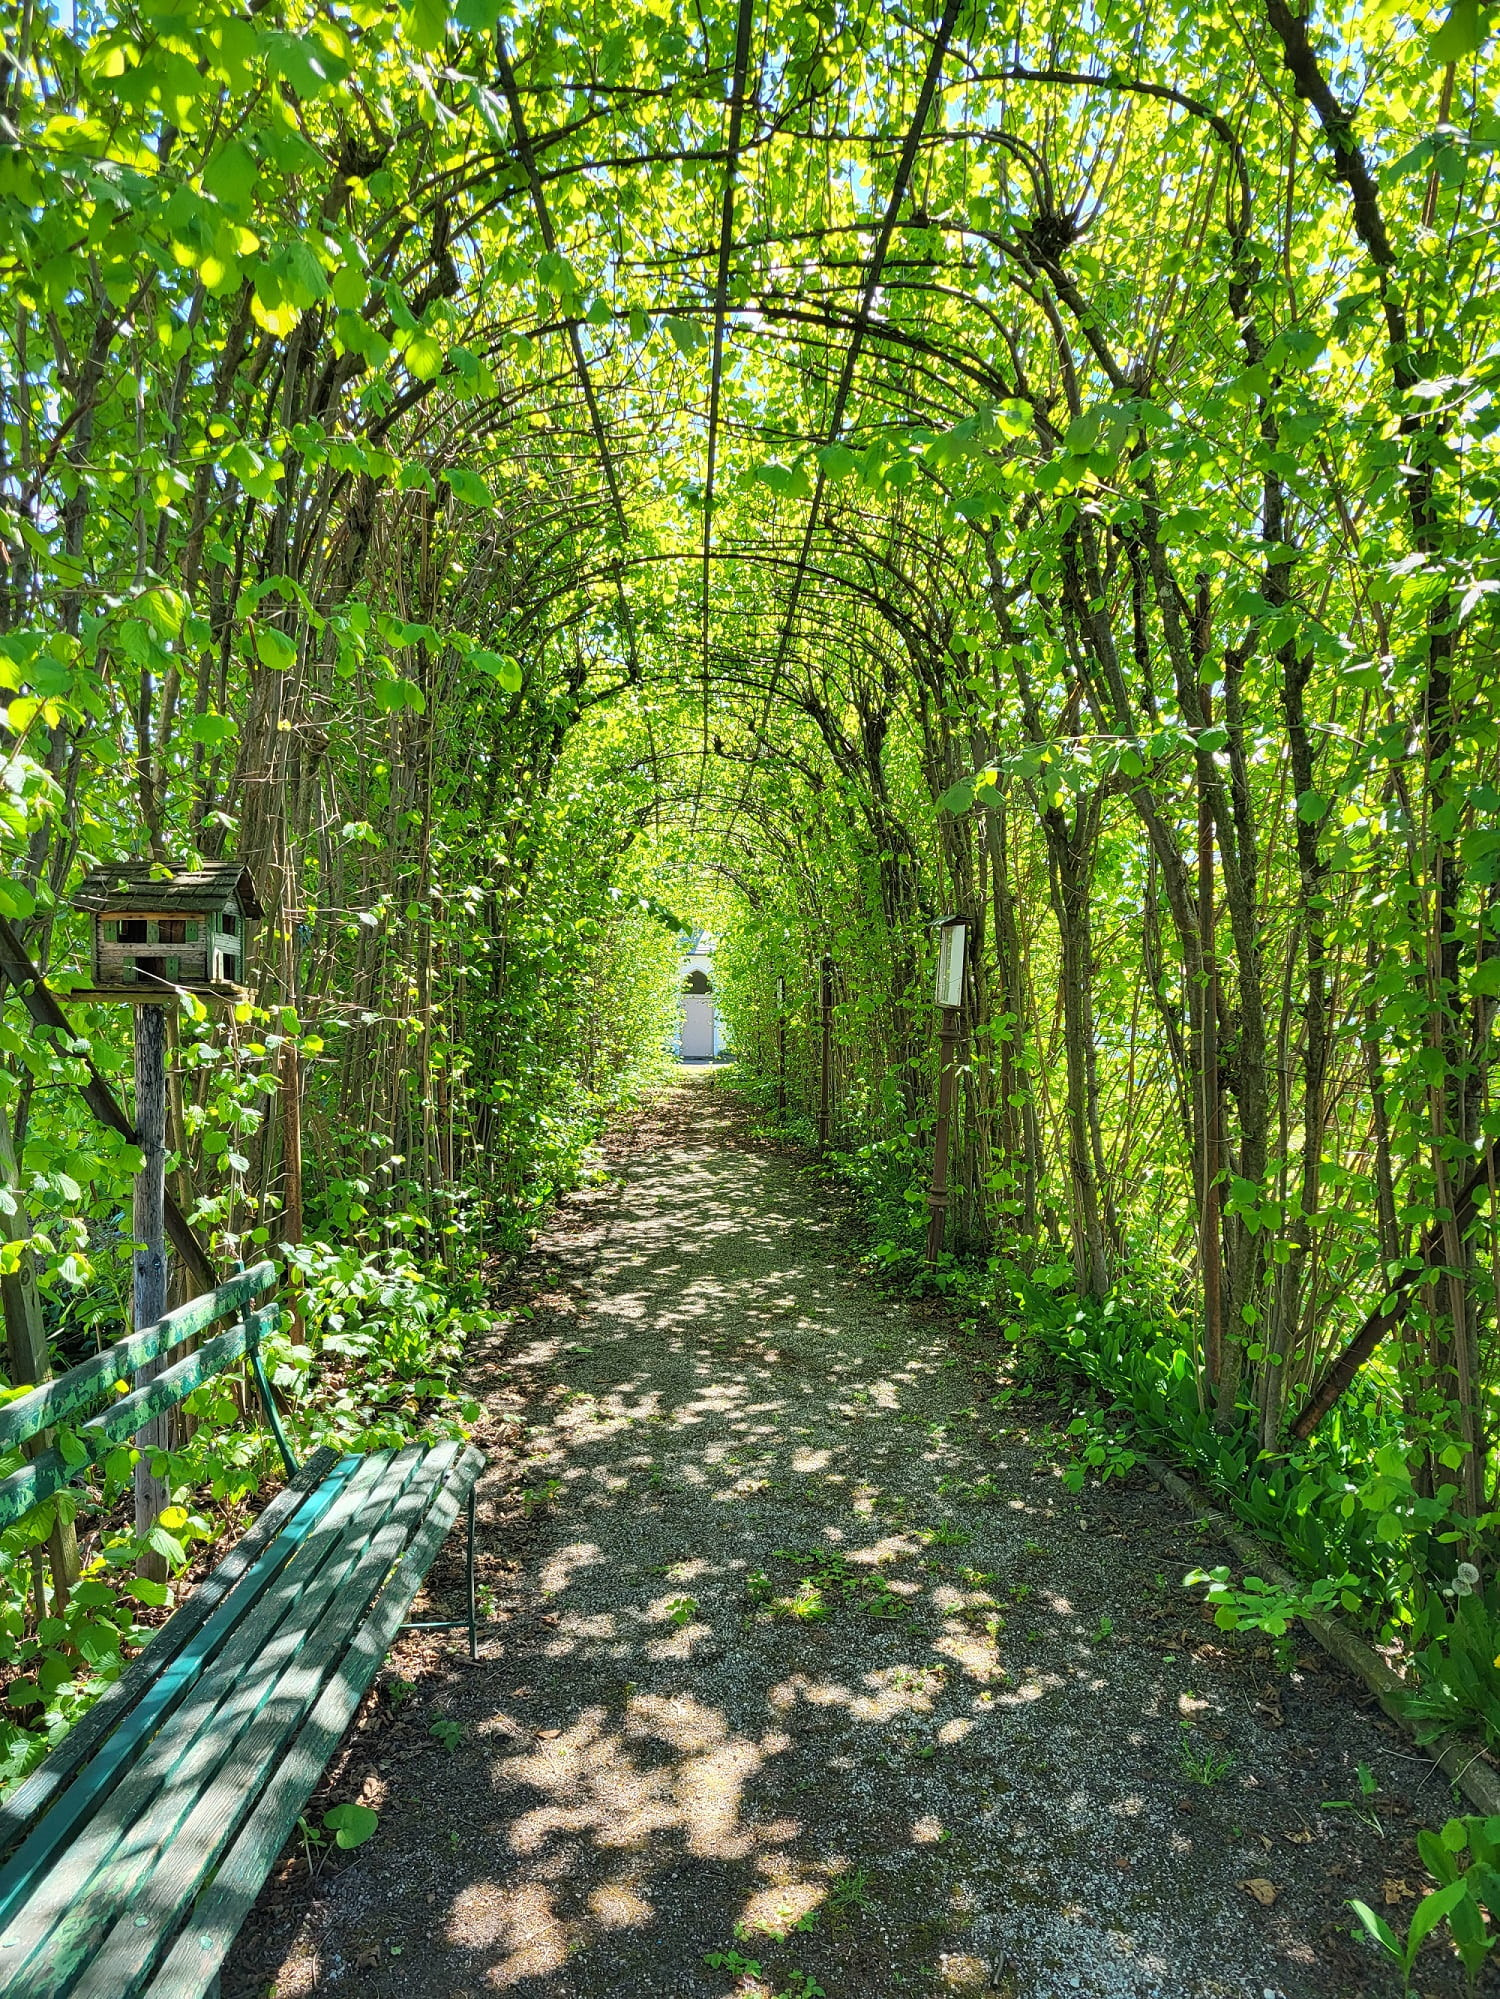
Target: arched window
x=697 y=982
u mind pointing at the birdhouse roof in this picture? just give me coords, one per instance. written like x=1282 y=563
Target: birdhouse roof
x=126 y=885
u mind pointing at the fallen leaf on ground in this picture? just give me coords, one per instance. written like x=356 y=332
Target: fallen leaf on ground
x=1300 y=1838
x=1265 y=1892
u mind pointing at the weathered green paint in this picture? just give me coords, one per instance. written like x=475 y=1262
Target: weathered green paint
x=73 y=1395
x=116 y=1706
x=220 y=1909
x=166 y=1849
x=273 y=1415
x=63 y=1920
x=341 y=1665
x=197 y=1767
x=158 y=1701
x=51 y=1471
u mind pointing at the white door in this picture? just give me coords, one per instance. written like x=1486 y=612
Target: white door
x=697 y=1028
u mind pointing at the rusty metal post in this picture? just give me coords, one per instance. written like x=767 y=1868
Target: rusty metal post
x=937 y=1193
x=825 y=1088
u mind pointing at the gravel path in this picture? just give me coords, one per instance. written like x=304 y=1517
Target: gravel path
x=812 y=1676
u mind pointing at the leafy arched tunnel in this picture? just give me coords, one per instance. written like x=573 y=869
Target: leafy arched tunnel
x=533 y=484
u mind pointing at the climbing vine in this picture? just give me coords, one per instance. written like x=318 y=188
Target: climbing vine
x=524 y=479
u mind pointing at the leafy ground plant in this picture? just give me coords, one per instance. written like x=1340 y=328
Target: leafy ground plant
x=1466 y=1898
x=849 y=1894
x=825 y=1580
x=1253 y=1605
x=802 y=1984
x=1098 y=1451
x=1208 y=1765
x=732 y=1962
x=1456 y=1683
x=349 y=1824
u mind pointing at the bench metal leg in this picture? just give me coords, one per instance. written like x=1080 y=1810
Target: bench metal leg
x=473 y=1614
x=471 y=1622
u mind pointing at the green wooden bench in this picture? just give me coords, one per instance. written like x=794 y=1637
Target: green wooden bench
x=135 y=1850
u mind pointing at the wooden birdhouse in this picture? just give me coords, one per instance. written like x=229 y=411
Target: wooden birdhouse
x=155 y=929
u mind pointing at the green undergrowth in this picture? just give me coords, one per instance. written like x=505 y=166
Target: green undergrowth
x=369 y=1364
x=372 y=1341
x=1342 y=1511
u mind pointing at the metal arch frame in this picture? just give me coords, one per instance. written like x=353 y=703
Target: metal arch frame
x=871 y=285
x=865 y=325
x=860 y=328
x=743 y=25
x=527 y=156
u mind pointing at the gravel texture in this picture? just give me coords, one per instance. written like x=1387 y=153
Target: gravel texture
x=806 y=1659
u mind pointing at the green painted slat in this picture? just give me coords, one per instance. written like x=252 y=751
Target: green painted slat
x=90 y=1790
x=55 y=1932
x=27 y=1803
x=337 y=1648
x=191 y=1968
x=193 y=1820
x=50 y=1471
x=84 y=1387
x=48 y=1934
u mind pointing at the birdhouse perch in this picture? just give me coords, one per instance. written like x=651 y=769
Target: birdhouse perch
x=157 y=930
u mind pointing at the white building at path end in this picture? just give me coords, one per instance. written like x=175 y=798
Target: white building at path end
x=700 y=1031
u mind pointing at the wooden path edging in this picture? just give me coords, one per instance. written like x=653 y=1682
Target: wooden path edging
x=1460 y=1757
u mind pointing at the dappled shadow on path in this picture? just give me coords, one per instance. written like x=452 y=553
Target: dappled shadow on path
x=814 y=1668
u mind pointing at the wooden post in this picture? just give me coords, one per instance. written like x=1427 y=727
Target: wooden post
x=937 y=1193
x=825 y=1085
x=1208 y=1083
x=184 y=1283
x=148 y=1223
x=291 y=1119
x=291 y=1142
x=781 y=1049
x=27 y=1357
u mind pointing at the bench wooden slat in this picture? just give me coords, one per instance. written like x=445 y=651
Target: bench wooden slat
x=123 y=1963
x=41 y=1927
x=50 y=1471
x=83 y=1387
x=191 y=1967
x=154 y=1824
x=54 y=1930
x=26 y=1804
x=156 y=1697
